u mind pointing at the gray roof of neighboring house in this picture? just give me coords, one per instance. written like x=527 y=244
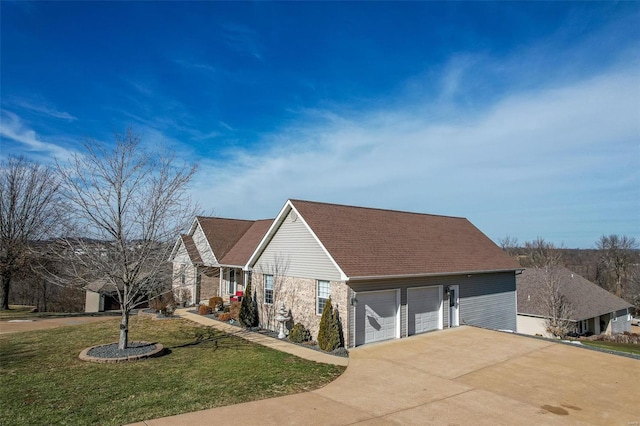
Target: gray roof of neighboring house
x=587 y=300
x=376 y=242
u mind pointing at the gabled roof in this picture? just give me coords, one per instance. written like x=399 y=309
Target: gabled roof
x=190 y=247
x=587 y=300
x=241 y=252
x=222 y=234
x=370 y=243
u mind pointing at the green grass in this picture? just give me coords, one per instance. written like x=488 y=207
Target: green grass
x=612 y=346
x=44 y=382
x=24 y=312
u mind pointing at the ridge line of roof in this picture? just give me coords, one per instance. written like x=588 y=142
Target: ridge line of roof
x=224 y=218
x=293 y=200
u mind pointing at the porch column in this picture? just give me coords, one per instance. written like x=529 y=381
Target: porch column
x=220 y=286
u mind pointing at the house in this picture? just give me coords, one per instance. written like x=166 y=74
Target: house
x=592 y=309
x=209 y=260
x=390 y=274
x=102 y=294
x=100 y=297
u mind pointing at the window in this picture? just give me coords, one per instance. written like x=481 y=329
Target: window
x=183 y=274
x=231 y=281
x=322 y=294
x=268 y=289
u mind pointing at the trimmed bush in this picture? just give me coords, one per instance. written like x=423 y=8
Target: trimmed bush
x=299 y=334
x=248 y=315
x=205 y=310
x=225 y=317
x=329 y=333
x=234 y=310
x=216 y=303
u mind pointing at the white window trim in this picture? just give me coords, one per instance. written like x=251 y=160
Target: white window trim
x=318 y=294
x=264 y=299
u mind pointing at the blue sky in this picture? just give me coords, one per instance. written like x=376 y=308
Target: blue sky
x=522 y=117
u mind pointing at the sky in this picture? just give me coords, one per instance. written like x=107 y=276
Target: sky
x=523 y=117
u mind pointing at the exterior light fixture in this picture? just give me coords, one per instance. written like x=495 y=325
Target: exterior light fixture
x=354 y=301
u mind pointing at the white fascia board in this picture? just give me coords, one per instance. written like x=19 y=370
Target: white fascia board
x=175 y=249
x=267 y=237
x=343 y=276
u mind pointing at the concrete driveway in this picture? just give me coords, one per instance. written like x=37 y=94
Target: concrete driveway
x=459 y=376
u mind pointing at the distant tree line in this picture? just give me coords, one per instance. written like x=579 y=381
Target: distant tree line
x=613 y=263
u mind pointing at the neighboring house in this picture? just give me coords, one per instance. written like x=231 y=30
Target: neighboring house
x=208 y=261
x=100 y=297
x=592 y=309
x=391 y=274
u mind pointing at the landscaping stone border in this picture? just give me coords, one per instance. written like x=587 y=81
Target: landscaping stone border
x=158 y=351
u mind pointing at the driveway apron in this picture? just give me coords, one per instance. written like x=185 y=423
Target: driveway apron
x=461 y=376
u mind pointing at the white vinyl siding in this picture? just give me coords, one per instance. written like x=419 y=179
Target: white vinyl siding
x=298 y=252
x=200 y=240
x=268 y=289
x=322 y=294
x=181 y=254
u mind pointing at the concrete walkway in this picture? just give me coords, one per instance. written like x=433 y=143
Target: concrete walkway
x=281 y=345
x=463 y=376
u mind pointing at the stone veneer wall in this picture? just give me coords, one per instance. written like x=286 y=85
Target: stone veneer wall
x=189 y=280
x=299 y=297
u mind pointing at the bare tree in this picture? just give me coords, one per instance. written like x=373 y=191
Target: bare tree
x=548 y=259
x=616 y=257
x=131 y=204
x=509 y=245
x=30 y=210
x=281 y=293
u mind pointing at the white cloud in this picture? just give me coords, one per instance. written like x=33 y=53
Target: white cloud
x=44 y=109
x=532 y=160
x=14 y=130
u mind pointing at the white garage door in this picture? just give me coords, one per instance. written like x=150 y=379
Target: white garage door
x=376 y=316
x=425 y=309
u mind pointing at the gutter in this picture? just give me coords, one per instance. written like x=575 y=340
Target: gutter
x=435 y=274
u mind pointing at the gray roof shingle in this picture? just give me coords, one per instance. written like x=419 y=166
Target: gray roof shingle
x=587 y=300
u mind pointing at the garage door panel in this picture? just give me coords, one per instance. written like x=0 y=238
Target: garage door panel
x=424 y=309
x=376 y=316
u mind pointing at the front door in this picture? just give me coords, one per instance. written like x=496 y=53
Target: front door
x=454 y=306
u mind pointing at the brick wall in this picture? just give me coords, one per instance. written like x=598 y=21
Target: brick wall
x=299 y=297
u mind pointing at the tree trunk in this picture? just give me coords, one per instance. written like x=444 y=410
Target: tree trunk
x=124 y=330
x=4 y=291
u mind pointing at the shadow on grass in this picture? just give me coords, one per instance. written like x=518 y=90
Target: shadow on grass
x=218 y=339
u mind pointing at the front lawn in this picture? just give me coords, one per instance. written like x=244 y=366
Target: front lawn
x=42 y=381
x=613 y=346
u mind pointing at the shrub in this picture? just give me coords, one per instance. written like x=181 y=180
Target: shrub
x=329 y=333
x=215 y=303
x=248 y=315
x=299 y=334
x=234 y=310
x=159 y=303
x=205 y=310
x=225 y=316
